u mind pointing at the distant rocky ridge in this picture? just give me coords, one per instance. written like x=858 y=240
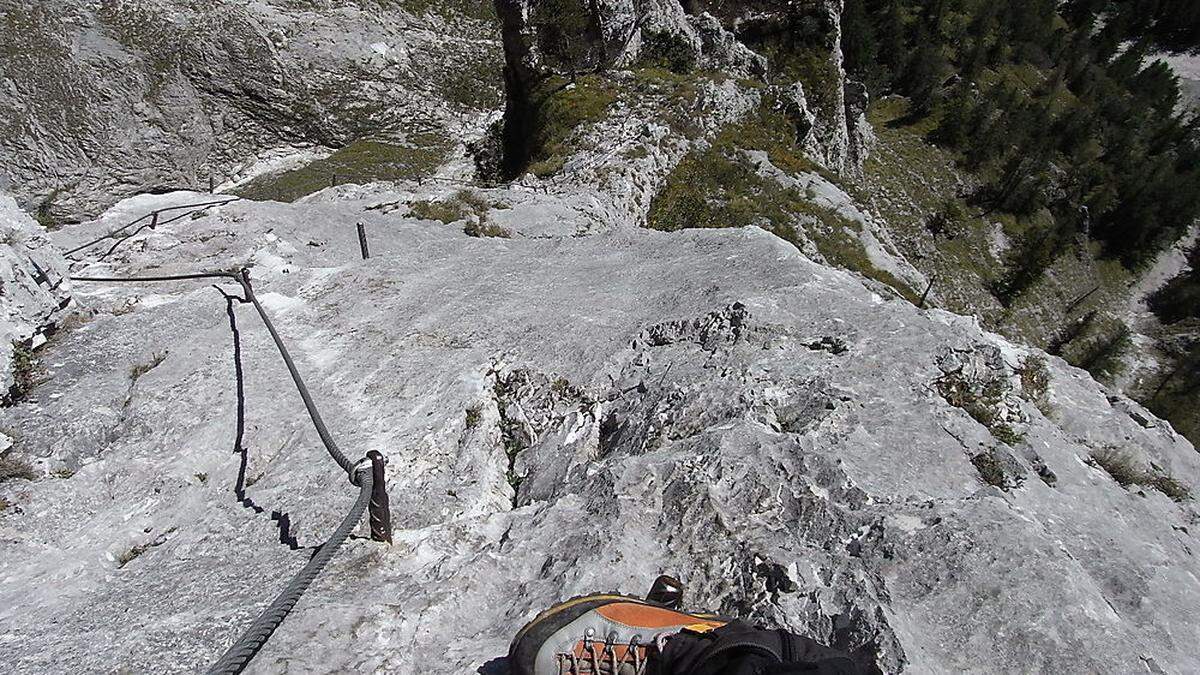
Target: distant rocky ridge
x=100 y=101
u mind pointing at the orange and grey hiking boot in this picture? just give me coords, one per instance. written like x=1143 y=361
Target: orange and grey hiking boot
x=608 y=634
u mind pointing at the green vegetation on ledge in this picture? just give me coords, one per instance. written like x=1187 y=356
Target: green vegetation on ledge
x=1126 y=471
x=461 y=207
x=560 y=107
x=663 y=49
x=363 y=161
x=720 y=187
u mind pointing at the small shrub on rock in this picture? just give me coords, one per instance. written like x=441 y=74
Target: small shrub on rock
x=474 y=416
x=129 y=556
x=482 y=228
x=1126 y=471
x=24 y=372
x=668 y=50
x=999 y=468
x=1035 y=383
x=447 y=212
x=1119 y=465
x=984 y=402
x=137 y=370
x=12 y=468
x=461 y=206
x=1171 y=488
x=989 y=470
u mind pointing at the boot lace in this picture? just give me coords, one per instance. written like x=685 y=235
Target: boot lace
x=605 y=659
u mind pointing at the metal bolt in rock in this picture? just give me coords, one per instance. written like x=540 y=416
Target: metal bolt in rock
x=666 y=591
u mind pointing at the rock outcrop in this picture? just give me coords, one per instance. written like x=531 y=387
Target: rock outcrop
x=802 y=46
x=33 y=292
x=795 y=47
x=104 y=100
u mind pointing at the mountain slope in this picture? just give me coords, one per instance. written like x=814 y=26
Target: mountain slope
x=108 y=100
x=654 y=320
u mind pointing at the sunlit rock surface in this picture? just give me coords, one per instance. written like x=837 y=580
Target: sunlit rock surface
x=565 y=415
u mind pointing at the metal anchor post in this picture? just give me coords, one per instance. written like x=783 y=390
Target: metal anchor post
x=379 y=511
x=362 y=241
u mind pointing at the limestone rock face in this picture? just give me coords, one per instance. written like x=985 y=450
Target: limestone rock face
x=779 y=42
x=565 y=415
x=806 y=38
x=105 y=100
x=578 y=36
x=32 y=294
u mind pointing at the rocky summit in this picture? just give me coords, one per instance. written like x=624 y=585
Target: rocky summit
x=579 y=380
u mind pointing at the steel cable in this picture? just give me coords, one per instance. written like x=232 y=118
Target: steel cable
x=151 y=225
x=108 y=235
x=313 y=413
x=198 y=206
x=167 y=277
x=235 y=659
x=244 y=279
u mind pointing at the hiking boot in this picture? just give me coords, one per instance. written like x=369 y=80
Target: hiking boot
x=609 y=634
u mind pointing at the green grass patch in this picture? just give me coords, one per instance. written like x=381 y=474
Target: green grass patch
x=672 y=95
x=561 y=107
x=361 y=162
x=447 y=211
x=819 y=75
x=837 y=243
x=460 y=207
